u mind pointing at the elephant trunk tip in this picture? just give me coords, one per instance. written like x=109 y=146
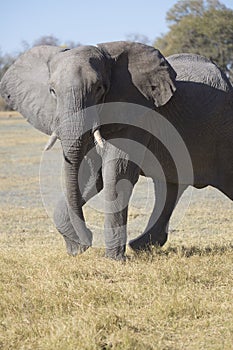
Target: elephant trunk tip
x=52 y=140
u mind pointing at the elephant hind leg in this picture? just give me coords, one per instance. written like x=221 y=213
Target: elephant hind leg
x=64 y=226
x=167 y=196
x=224 y=176
x=226 y=187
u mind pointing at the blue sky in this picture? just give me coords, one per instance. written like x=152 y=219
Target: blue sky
x=86 y=21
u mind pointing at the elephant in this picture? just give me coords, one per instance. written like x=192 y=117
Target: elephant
x=67 y=94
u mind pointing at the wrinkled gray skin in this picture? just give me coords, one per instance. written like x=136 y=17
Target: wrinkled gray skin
x=52 y=87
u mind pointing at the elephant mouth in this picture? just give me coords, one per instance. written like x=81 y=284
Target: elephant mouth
x=99 y=140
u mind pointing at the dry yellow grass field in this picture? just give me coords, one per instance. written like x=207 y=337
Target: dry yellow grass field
x=177 y=297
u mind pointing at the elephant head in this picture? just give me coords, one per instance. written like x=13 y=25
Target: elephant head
x=53 y=87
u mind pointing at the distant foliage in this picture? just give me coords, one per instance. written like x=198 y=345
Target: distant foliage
x=5 y=62
x=185 y=8
x=54 y=41
x=140 y=38
x=47 y=40
x=69 y=44
x=202 y=27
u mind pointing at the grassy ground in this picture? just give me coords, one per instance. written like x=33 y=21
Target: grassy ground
x=178 y=297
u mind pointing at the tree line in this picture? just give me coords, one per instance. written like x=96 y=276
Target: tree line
x=204 y=27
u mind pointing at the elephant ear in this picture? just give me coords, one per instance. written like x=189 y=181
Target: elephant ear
x=25 y=87
x=150 y=73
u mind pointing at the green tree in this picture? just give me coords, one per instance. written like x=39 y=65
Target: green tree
x=202 y=27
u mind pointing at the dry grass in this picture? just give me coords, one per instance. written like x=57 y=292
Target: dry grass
x=178 y=297
x=10 y=114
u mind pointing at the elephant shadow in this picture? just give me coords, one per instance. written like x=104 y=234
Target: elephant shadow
x=185 y=251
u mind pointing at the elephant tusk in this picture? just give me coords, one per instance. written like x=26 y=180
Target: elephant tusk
x=53 y=138
x=98 y=138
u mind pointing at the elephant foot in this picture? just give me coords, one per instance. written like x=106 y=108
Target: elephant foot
x=74 y=248
x=146 y=241
x=117 y=253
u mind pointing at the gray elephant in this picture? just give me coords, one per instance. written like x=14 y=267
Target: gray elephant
x=60 y=92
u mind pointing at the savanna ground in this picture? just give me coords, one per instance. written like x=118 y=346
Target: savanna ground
x=177 y=297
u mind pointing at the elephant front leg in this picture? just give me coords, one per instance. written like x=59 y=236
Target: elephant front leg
x=63 y=224
x=119 y=178
x=62 y=218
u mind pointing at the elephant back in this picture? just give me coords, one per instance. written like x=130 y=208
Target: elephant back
x=199 y=69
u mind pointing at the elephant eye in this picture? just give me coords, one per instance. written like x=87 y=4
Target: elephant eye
x=99 y=88
x=153 y=87
x=52 y=92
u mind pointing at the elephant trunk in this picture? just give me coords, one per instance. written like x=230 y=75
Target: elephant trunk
x=76 y=134
x=74 y=188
